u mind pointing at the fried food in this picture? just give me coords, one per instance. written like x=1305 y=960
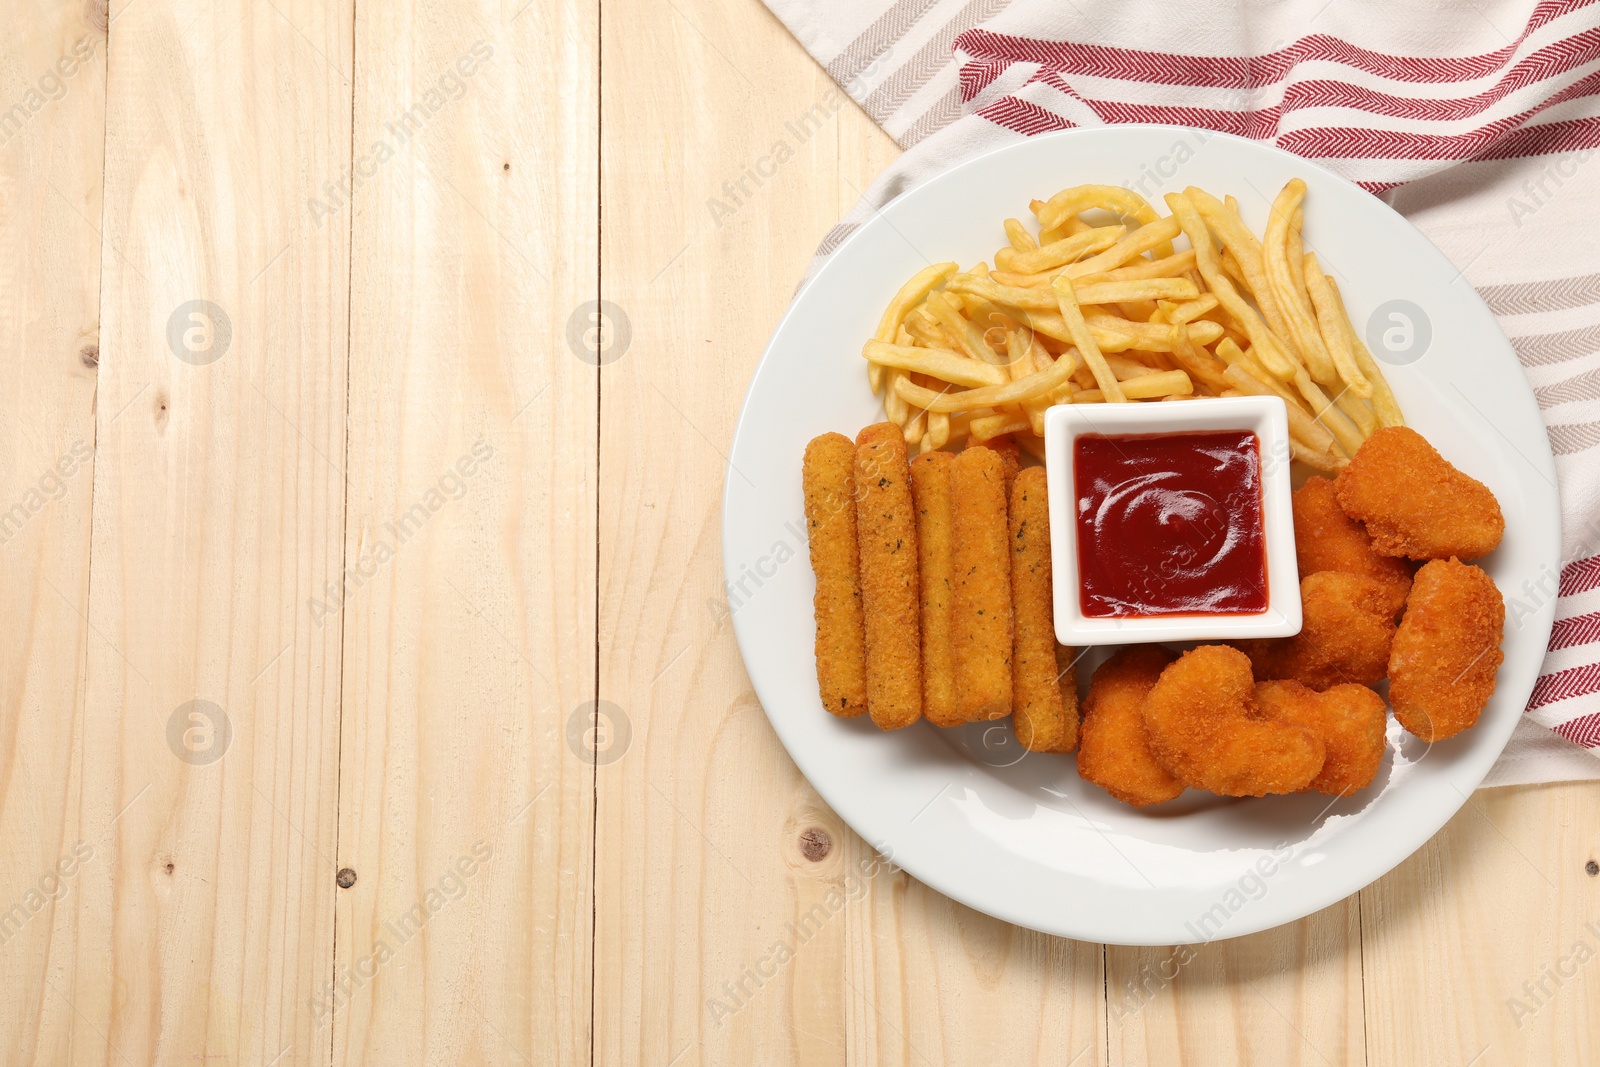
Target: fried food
x=1010 y=455
x=980 y=611
x=930 y=491
x=1414 y=503
x=829 y=479
x=1044 y=720
x=1442 y=667
x=1350 y=721
x=1075 y=311
x=1349 y=625
x=1205 y=728
x=1326 y=539
x=1113 y=752
x=887 y=535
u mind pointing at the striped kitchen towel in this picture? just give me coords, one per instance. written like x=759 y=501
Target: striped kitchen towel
x=1479 y=122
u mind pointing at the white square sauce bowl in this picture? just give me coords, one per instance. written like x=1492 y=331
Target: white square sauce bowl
x=1138 y=554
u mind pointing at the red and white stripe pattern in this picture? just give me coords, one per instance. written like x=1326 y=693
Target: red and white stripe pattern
x=1476 y=120
x=1380 y=118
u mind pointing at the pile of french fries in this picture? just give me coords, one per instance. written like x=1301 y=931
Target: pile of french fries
x=1096 y=306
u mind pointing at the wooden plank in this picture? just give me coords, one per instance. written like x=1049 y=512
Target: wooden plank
x=52 y=135
x=709 y=843
x=469 y=632
x=1482 y=948
x=1289 y=996
x=204 y=921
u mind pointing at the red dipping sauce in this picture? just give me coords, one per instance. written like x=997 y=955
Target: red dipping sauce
x=1170 y=524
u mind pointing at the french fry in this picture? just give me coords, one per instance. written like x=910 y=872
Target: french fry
x=962 y=330
x=911 y=294
x=1254 y=381
x=1153 y=235
x=1033 y=385
x=1332 y=329
x=1087 y=310
x=1064 y=251
x=1161 y=384
x=1081 y=198
x=1261 y=337
x=1383 y=401
x=946 y=366
x=1244 y=249
x=1357 y=411
x=1020 y=238
x=1106 y=292
x=1193 y=309
x=1290 y=297
x=991 y=426
x=1174 y=266
x=1324 y=461
x=1078 y=330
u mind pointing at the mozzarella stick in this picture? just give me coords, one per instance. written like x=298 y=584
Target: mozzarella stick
x=887 y=533
x=1039 y=715
x=980 y=610
x=829 y=477
x=1010 y=457
x=930 y=491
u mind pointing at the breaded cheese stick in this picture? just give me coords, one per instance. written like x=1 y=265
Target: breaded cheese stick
x=886 y=530
x=1005 y=446
x=930 y=491
x=829 y=477
x=1040 y=716
x=980 y=613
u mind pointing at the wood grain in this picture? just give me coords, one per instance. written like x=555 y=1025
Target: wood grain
x=204 y=924
x=52 y=132
x=466 y=797
x=717 y=939
x=1484 y=947
x=1291 y=995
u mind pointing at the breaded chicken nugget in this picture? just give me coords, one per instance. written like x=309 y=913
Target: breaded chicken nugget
x=1204 y=726
x=829 y=478
x=1113 y=753
x=1042 y=720
x=930 y=491
x=1350 y=721
x=1442 y=668
x=1326 y=539
x=1349 y=624
x=1415 y=503
x=886 y=530
x=980 y=612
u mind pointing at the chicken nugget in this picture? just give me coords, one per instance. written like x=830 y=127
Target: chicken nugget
x=1415 y=503
x=980 y=611
x=1205 y=728
x=1349 y=624
x=1447 y=651
x=930 y=490
x=886 y=530
x=1349 y=719
x=1326 y=539
x=1113 y=752
x=1043 y=720
x=828 y=474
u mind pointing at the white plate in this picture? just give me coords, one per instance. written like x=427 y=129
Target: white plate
x=1024 y=838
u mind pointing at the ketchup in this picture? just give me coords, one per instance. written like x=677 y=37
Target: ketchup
x=1170 y=524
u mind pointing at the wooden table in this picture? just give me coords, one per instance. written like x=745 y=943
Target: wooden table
x=329 y=508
